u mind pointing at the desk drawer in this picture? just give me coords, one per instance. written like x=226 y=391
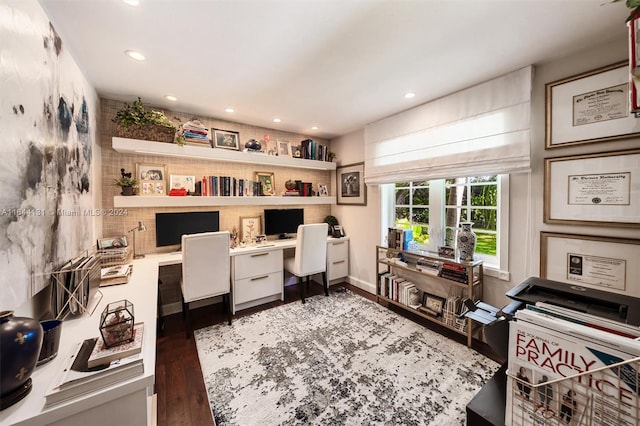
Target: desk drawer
x=337 y=269
x=337 y=250
x=256 y=264
x=257 y=287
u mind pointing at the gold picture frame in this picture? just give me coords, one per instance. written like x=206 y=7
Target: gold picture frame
x=266 y=182
x=593 y=189
x=604 y=263
x=152 y=179
x=589 y=107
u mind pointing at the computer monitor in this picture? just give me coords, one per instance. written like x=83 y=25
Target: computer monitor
x=170 y=227
x=282 y=221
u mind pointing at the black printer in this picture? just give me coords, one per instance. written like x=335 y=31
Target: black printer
x=604 y=304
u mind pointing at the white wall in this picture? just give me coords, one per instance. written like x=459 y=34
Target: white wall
x=526 y=191
x=51 y=164
x=361 y=223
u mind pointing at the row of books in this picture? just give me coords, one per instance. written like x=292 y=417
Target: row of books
x=74 y=286
x=398 y=289
x=569 y=367
x=227 y=186
x=90 y=366
x=311 y=150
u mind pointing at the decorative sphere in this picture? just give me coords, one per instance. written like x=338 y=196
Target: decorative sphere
x=253 y=145
x=290 y=185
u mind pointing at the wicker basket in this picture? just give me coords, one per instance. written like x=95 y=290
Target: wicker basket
x=149 y=132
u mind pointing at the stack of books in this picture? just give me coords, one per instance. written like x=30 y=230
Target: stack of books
x=454 y=272
x=114 y=275
x=77 y=378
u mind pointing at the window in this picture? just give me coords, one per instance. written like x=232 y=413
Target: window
x=434 y=209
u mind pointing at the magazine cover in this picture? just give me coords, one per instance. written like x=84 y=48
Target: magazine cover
x=544 y=351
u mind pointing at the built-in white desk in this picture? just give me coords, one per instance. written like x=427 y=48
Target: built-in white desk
x=257 y=278
x=125 y=403
x=256 y=270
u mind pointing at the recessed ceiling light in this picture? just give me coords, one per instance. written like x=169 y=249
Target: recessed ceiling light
x=314 y=127
x=171 y=98
x=277 y=120
x=409 y=95
x=131 y=2
x=230 y=110
x=134 y=55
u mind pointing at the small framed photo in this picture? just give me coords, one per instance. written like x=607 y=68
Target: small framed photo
x=226 y=139
x=350 y=184
x=266 y=181
x=182 y=181
x=284 y=148
x=152 y=178
x=112 y=242
x=250 y=228
x=322 y=190
x=296 y=151
x=433 y=304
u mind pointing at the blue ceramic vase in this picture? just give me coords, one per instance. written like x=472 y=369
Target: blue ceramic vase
x=20 y=342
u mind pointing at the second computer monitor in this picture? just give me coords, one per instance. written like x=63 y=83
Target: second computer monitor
x=282 y=221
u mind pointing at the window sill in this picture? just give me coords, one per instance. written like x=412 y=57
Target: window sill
x=492 y=271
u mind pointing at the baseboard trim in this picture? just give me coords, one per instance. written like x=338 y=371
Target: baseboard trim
x=363 y=285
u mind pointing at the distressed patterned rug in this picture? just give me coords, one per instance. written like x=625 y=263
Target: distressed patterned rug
x=336 y=360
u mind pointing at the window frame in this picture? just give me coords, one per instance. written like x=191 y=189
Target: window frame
x=495 y=266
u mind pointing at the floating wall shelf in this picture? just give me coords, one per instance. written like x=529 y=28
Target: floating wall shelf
x=189 y=201
x=137 y=146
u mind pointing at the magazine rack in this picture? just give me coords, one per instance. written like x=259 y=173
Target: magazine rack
x=603 y=396
x=75 y=287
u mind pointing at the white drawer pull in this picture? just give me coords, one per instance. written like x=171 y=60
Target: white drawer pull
x=335 y=244
x=259 y=278
x=260 y=254
x=339 y=261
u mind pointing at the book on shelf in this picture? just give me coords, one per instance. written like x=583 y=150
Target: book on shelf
x=101 y=354
x=548 y=351
x=77 y=379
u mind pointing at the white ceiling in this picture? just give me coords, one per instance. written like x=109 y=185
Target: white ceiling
x=337 y=64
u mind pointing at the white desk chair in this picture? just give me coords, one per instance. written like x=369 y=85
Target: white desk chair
x=206 y=271
x=311 y=255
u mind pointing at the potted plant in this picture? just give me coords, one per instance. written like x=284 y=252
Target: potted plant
x=127 y=183
x=133 y=121
x=331 y=155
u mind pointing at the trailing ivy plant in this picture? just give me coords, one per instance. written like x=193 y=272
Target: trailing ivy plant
x=634 y=5
x=136 y=115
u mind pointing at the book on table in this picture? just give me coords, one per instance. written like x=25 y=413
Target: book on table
x=548 y=352
x=77 y=379
x=103 y=355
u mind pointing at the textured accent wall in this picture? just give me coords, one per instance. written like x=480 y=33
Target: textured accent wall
x=113 y=161
x=48 y=119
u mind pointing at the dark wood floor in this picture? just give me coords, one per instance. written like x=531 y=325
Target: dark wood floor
x=181 y=394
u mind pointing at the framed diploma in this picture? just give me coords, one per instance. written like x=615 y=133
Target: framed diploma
x=593 y=189
x=590 y=107
x=603 y=263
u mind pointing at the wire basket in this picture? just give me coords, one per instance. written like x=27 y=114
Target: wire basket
x=603 y=396
x=114 y=256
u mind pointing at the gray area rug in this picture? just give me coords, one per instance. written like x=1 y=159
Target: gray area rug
x=336 y=360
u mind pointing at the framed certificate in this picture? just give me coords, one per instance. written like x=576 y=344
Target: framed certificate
x=590 y=107
x=595 y=189
x=603 y=263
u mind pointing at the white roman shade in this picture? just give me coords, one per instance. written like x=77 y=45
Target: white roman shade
x=484 y=129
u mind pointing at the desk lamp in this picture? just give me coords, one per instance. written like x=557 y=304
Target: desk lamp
x=139 y=228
